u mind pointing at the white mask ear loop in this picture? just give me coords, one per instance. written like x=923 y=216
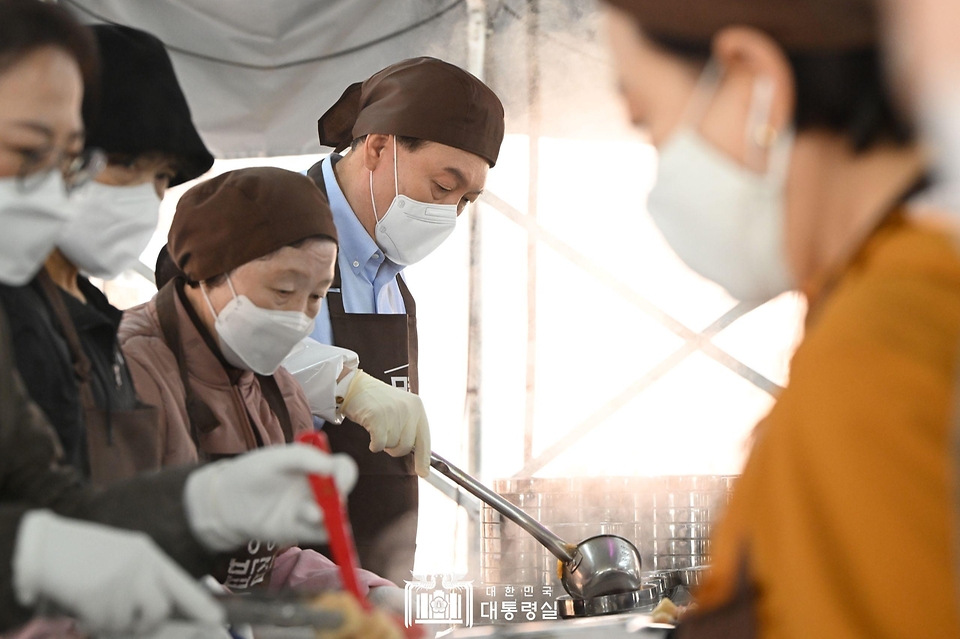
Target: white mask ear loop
x=396 y=182
x=703 y=93
x=209 y=305
x=759 y=133
x=768 y=150
x=373 y=200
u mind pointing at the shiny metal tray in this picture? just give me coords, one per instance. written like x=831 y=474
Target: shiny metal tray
x=642 y=600
x=609 y=627
x=279 y=611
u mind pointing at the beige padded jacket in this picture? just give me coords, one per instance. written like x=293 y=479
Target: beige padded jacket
x=239 y=406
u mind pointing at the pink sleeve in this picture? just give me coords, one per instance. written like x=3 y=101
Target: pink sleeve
x=309 y=571
x=39 y=628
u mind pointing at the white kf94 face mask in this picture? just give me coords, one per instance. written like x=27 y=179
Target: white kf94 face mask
x=112 y=227
x=724 y=220
x=411 y=230
x=257 y=339
x=30 y=224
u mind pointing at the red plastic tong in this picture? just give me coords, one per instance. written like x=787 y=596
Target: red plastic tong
x=341 y=535
x=338 y=525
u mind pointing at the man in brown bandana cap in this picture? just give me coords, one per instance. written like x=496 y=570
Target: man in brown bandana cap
x=422 y=135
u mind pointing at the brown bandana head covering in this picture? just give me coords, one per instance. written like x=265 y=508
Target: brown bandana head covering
x=798 y=25
x=422 y=98
x=243 y=215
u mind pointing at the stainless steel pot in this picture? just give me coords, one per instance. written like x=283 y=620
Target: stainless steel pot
x=596 y=567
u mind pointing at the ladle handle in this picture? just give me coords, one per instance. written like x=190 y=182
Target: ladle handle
x=561 y=549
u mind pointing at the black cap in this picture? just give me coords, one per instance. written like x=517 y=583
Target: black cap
x=142 y=108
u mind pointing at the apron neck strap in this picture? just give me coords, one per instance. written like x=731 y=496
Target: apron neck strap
x=79 y=360
x=274 y=396
x=202 y=418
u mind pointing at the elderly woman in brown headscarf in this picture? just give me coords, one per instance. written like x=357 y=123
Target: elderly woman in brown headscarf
x=255 y=249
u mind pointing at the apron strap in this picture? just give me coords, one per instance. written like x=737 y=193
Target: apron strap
x=202 y=418
x=274 y=396
x=81 y=365
x=315 y=173
x=409 y=304
x=335 y=298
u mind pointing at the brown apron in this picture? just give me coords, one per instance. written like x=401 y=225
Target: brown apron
x=247 y=568
x=120 y=443
x=383 y=505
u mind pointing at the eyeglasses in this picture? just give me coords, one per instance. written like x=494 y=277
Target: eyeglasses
x=77 y=168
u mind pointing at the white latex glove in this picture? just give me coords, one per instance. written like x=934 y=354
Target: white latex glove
x=263 y=495
x=395 y=419
x=112 y=580
x=318 y=367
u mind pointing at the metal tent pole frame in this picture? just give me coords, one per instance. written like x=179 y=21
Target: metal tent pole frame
x=533 y=196
x=695 y=341
x=476 y=64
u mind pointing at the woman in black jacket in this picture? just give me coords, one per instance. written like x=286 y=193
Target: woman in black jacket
x=113 y=580
x=63 y=328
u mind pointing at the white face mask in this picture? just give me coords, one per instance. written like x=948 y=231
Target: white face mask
x=724 y=220
x=113 y=226
x=254 y=338
x=411 y=230
x=30 y=224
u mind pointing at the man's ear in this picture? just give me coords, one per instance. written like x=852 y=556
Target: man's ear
x=748 y=50
x=373 y=150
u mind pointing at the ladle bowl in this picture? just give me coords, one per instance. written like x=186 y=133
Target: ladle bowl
x=598 y=566
x=602 y=565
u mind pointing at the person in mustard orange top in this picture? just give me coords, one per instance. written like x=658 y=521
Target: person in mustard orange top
x=784 y=165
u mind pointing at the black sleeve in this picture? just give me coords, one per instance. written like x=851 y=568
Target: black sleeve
x=31 y=477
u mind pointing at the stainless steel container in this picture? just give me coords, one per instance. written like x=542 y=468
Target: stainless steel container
x=670 y=520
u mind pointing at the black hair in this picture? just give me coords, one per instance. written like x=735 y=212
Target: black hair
x=410 y=144
x=28 y=25
x=845 y=92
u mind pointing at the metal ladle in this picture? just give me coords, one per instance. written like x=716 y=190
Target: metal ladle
x=597 y=566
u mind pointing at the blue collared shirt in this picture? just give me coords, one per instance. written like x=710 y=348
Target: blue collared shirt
x=368 y=280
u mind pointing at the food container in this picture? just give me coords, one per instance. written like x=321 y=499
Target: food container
x=681 y=546
x=683 y=515
x=682 y=531
x=668 y=580
x=692 y=577
x=675 y=562
x=669 y=519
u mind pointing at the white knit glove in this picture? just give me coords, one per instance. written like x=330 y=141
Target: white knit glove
x=395 y=419
x=263 y=495
x=112 y=580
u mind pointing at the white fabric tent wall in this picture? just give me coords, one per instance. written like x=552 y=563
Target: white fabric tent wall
x=272 y=111
x=265 y=101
